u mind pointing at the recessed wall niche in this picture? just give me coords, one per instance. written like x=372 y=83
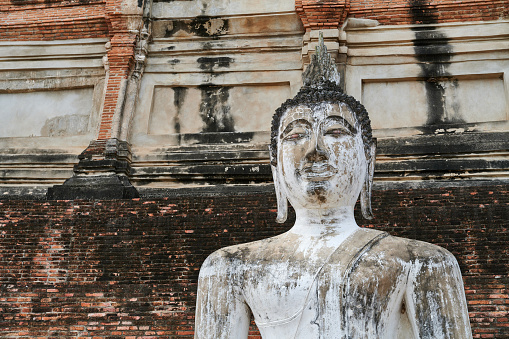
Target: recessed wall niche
x=452 y=100
x=213 y=108
x=64 y=112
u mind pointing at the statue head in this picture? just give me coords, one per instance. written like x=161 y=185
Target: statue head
x=322 y=151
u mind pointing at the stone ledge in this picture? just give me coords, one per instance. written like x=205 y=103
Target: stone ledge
x=105 y=187
x=39 y=192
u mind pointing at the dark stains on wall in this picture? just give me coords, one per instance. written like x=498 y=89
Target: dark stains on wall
x=433 y=51
x=215 y=109
x=203 y=26
x=206 y=26
x=210 y=64
x=423 y=12
x=222 y=138
x=179 y=97
x=207 y=45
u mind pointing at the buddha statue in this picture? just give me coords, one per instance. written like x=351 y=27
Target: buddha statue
x=326 y=277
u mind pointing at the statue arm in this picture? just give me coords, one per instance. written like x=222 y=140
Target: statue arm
x=435 y=299
x=221 y=312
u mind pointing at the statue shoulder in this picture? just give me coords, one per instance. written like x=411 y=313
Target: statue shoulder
x=415 y=251
x=231 y=259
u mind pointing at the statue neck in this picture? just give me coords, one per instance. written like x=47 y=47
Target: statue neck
x=324 y=222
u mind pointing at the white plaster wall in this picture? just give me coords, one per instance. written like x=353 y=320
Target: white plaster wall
x=251 y=108
x=384 y=73
x=254 y=106
x=52 y=90
x=397 y=104
x=46 y=113
x=257 y=60
x=189 y=9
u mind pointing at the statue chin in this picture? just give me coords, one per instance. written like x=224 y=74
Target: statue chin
x=323 y=194
x=317 y=195
x=318 y=190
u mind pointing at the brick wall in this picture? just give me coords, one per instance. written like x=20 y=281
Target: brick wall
x=41 y=20
x=128 y=269
x=395 y=12
x=55 y=19
x=23 y=20
x=323 y=14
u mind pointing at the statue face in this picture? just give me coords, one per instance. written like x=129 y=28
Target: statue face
x=321 y=158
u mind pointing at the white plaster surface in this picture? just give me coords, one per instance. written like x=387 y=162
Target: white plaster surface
x=383 y=72
x=188 y=9
x=250 y=106
x=46 y=113
x=52 y=90
x=258 y=58
x=396 y=104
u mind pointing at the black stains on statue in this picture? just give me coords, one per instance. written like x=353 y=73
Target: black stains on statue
x=215 y=110
x=209 y=64
x=433 y=51
x=203 y=26
x=174 y=61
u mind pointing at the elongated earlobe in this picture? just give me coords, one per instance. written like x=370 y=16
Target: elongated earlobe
x=282 y=201
x=367 y=213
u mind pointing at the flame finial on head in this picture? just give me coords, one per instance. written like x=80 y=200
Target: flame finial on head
x=322 y=67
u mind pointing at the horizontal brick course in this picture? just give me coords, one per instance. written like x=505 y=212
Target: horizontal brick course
x=52 y=20
x=129 y=267
x=315 y=14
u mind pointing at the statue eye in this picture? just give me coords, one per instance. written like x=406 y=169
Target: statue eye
x=294 y=136
x=295 y=133
x=336 y=132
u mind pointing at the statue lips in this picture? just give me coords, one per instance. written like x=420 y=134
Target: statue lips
x=317 y=171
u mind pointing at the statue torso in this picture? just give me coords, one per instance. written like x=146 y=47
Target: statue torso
x=354 y=290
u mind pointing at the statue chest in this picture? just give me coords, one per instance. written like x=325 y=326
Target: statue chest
x=279 y=292
x=327 y=299
x=324 y=305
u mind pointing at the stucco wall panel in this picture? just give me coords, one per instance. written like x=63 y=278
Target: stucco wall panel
x=215 y=108
x=403 y=103
x=46 y=113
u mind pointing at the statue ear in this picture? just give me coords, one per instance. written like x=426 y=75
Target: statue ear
x=282 y=201
x=368 y=183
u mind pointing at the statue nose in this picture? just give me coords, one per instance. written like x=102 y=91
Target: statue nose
x=316 y=151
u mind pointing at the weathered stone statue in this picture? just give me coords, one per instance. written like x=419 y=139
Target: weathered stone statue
x=327 y=277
